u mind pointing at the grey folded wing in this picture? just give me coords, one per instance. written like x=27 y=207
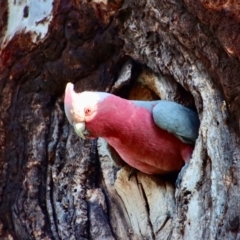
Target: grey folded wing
x=177 y=119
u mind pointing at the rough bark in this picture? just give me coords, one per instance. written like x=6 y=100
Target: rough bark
x=56 y=186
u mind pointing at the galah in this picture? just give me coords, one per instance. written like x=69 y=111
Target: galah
x=155 y=137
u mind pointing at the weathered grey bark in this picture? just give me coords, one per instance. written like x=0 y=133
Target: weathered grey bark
x=55 y=186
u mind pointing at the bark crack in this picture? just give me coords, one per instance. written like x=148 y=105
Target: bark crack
x=56 y=121
x=147 y=208
x=50 y=205
x=108 y=211
x=164 y=223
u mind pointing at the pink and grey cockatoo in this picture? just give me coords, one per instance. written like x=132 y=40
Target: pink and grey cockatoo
x=155 y=137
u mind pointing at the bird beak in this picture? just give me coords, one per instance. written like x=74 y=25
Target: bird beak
x=79 y=129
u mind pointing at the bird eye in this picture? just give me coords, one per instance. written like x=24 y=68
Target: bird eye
x=88 y=111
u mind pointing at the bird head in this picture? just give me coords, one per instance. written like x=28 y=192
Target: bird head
x=81 y=108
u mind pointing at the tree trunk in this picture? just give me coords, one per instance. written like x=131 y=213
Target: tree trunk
x=56 y=186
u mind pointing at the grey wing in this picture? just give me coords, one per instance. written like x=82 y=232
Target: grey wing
x=177 y=119
x=146 y=104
